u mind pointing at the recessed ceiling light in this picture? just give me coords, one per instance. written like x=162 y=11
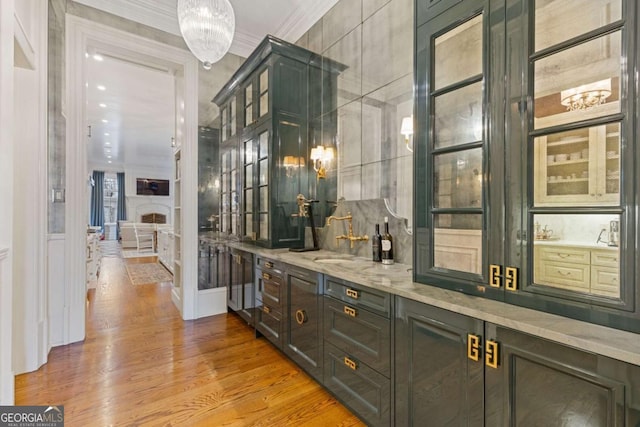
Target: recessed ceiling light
x=107 y=150
x=101 y=87
x=108 y=161
x=98 y=57
x=86 y=54
x=108 y=157
x=106 y=134
x=105 y=121
x=107 y=143
x=103 y=105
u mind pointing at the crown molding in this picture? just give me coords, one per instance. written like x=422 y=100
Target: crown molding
x=244 y=43
x=302 y=18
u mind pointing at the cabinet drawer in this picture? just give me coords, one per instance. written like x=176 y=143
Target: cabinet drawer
x=269 y=289
x=268 y=266
x=605 y=258
x=358 y=296
x=605 y=281
x=359 y=387
x=358 y=332
x=564 y=254
x=269 y=323
x=570 y=275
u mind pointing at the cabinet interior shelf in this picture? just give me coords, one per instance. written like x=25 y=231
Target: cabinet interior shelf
x=568 y=162
x=567 y=142
x=564 y=181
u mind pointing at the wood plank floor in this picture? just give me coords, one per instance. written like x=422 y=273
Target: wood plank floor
x=140 y=364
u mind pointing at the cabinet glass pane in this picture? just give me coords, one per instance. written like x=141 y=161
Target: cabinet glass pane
x=264 y=226
x=248 y=176
x=264 y=199
x=466 y=41
x=248 y=200
x=578 y=253
x=578 y=167
x=232 y=113
x=264 y=81
x=248 y=95
x=560 y=20
x=233 y=156
x=248 y=115
x=579 y=83
x=264 y=172
x=233 y=180
x=224 y=124
x=264 y=104
x=248 y=225
x=248 y=151
x=458 y=179
x=225 y=223
x=264 y=145
x=225 y=182
x=234 y=224
x=457 y=241
x=234 y=202
x=225 y=162
x=458 y=116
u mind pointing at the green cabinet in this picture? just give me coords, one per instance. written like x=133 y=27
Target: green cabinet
x=525 y=154
x=357 y=349
x=238 y=274
x=266 y=110
x=270 y=293
x=455 y=370
x=303 y=324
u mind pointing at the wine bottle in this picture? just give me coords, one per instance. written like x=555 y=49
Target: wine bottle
x=387 y=244
x=376 y=243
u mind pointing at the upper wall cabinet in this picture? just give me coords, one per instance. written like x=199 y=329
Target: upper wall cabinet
x=526 y=159
x=266 y=123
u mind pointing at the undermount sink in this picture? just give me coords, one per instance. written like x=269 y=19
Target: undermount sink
x=332 y=260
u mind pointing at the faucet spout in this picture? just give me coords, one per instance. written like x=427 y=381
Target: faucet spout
x=350 y=236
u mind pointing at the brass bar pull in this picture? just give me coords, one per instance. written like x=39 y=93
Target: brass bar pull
x=511 y=279
x=495 y=271
x=238 y=259
x=350 y=311
x=350 y=363
x=301 y=317
x=268 y=264
x=266 y=276
x=492 y=354
x=266 y=309
x=473 y=347
x=352 y=293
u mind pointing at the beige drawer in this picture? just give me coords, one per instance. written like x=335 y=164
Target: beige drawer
x=605 y=258
x=565 y=254
x=575 y=276
x=605 y=281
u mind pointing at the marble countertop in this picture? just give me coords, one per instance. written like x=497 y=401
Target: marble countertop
x=397 y=279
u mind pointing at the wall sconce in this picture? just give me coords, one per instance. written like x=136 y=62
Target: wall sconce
x=321 y=157
x=406 y=129
x=586 y=96
x=291 y=163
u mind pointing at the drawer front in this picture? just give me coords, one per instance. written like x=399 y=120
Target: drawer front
x=574 y=276
x=359 y=296
x=605 y=281
x=564 y=254
x=269 y=290
x=363 y=390
x=363 y=334
x=605 y=258
x=269 y=323
x=269 y=266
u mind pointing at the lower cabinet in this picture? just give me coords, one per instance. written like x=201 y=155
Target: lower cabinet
x=303 y=324
x=240 y=285
x=455 y=370
x=358 y=350
x=269 y=299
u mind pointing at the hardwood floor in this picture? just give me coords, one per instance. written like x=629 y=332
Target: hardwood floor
x=140 y=364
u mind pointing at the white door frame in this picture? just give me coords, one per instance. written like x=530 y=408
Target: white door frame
x=81 y=33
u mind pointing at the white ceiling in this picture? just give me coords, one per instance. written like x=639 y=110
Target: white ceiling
x=140 y=101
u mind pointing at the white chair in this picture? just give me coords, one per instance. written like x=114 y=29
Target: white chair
x=145 y=237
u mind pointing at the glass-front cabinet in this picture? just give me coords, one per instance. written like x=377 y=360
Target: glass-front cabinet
x=526 y=158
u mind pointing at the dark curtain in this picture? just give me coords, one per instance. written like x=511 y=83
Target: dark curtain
x=122 y=204
x=97 y=199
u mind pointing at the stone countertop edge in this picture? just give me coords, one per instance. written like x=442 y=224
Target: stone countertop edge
x=397 y=279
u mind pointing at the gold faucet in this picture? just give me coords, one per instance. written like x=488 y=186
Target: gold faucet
x=349 y=236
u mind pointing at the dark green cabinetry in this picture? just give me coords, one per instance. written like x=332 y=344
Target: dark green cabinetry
x=270 y=297
x=455 y=370
x=303 y=334
x=265 y=115
x=357 y=349
x=526 y=163
x=240 y=285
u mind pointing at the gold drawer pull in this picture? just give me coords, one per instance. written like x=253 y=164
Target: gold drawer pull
x=350 y=363
x=473 y=347
x=268 y=264
x=350 y=311
x=266 y=309
x=561 y=255
x=301 y=317
x=266 y=276
x=564 y=273
x=352 y=293
x=491 y=358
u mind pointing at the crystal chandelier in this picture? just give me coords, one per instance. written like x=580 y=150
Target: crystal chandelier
x=207 y=27
x=586 y=96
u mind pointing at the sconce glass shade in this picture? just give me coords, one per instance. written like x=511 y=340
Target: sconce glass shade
x=586 y=96
x=321 y=157
x=406 y=128
x=207 y=27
